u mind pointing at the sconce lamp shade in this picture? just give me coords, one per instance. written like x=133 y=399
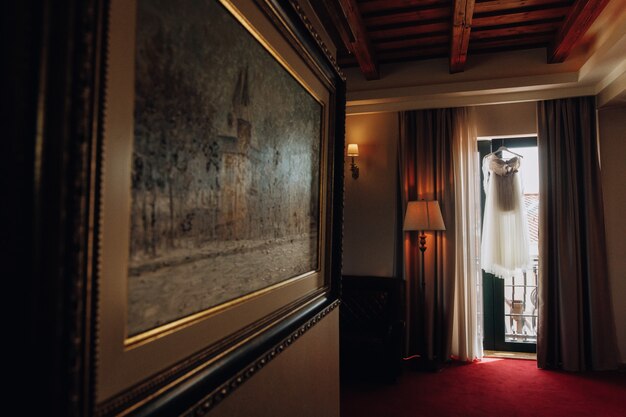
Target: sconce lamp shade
x=353 y=149
x=423 y=215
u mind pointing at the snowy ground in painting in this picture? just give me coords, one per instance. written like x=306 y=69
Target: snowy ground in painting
x=180 y=285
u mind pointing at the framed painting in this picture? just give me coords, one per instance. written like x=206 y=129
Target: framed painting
x=216 y=200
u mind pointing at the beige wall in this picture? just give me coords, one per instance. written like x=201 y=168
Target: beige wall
x=303 y=381
x=612 y=127
x=370 y=200
x=506 y=119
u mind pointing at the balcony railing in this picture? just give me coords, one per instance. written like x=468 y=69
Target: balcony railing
x=521 y=307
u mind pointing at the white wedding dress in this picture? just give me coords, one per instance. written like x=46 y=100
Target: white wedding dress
x=505 y=242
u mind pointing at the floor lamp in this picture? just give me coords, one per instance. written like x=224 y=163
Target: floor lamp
x=423 y=216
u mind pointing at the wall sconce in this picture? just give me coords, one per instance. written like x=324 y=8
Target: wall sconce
x=353 y=150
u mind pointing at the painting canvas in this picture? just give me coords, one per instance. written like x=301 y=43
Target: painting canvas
x=225 y=196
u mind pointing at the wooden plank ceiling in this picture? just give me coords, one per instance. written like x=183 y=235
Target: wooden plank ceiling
x=371 y=32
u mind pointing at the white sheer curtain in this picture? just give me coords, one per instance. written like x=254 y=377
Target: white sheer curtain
x=467 y=320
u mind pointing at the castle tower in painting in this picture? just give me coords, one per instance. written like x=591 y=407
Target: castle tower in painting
x=236 y=167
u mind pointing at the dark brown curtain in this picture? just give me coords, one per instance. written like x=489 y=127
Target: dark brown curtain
x=576 y=327
x=426 y=172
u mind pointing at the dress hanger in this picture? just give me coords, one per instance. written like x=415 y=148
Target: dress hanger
x=503 y=148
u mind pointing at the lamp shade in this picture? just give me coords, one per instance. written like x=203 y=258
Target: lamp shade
x=423 y=215
x=353 y=149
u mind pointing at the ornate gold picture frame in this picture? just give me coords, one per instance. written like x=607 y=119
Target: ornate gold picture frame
x=189 y=175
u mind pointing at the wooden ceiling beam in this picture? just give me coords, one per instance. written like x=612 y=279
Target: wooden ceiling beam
x=521 y=31
x=410 y=31
x=578 y=20
x=525 y=41
x=360 y=47
x=461 y=27
x=376 y=6
x=339 y=21
x=504 y=5
x=412 y=16
x=425 y=42
x=555 y=13
x=401 y=55
x=414 y=53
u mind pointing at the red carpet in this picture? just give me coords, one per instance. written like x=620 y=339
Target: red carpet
x=492 y=387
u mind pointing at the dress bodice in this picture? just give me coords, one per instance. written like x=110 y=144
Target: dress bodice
x=503 y=167
x=503 y=182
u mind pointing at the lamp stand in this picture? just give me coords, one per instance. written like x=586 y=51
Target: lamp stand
x=422 y=237
x=422 y=216
x=423 y=363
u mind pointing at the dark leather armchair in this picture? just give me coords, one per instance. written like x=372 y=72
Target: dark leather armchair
x=371 y=327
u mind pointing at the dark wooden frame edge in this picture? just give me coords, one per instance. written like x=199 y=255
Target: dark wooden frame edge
x=69 y=83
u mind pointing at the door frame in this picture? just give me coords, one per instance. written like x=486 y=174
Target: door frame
x=493 y=288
